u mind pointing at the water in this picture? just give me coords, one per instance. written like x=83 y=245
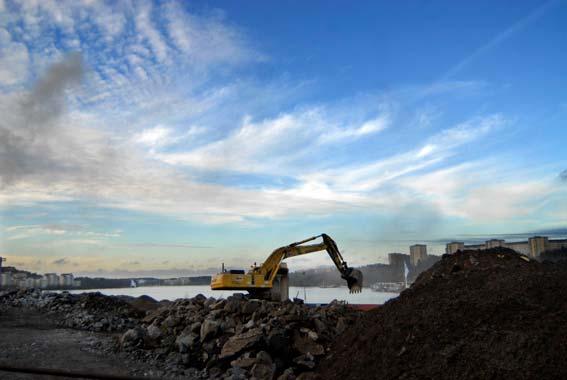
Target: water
x=310 y=294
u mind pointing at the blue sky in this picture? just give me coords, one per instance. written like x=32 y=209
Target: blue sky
x=167 y=137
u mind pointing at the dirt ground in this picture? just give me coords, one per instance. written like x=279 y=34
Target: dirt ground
x=474 y=315
x=29 y=338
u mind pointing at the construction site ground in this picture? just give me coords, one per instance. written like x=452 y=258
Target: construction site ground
x=30 y=338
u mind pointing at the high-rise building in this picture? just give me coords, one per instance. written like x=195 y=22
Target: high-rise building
x=418 y=253
x=454 y=247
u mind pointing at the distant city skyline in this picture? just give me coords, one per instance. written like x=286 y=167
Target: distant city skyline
x=154 y=137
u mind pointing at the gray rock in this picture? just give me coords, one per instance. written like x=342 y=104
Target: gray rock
x=153 y=332
x=132 y=337
x=209 y=329
x=185 y=342
x=249 y=324
x=241 y=342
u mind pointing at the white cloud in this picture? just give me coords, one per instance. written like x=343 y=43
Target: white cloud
x=277 y=142
x=147 y=29
x=14 y=60
x=161 y=136
x=436 y=149
x=152 y=137
x=60 y=231
x=367 y=128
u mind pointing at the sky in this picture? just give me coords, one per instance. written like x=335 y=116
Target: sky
x=167 y=137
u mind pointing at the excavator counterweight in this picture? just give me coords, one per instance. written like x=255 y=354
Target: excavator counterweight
x=270 y=279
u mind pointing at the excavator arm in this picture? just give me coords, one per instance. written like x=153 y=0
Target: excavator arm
x=270 y=267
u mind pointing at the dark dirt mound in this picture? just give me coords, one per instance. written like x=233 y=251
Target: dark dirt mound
x=474 y=315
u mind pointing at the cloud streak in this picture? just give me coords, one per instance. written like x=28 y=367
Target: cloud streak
x=500 y=38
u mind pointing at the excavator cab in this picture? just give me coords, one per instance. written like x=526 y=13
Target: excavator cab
x=270 y=280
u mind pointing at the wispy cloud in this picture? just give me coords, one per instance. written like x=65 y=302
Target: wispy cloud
x=500 y=38
x=60 y=231
x=275 y=142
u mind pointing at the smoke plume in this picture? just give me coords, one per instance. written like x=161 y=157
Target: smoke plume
x=29 y=131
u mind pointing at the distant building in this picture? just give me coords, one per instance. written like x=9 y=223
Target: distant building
x=454 y=247
x=171 y=281
x=6 y=279
x=418 y=253
x=397 y=260
x=533 y=247
x=66 y=280
x=52 y=280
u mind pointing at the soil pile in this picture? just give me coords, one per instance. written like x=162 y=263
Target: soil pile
x=473 y=315
x=86 y=311
x=237 y=337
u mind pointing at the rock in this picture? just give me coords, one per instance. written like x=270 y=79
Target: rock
x=241 y=342
x=320 y=326
x=251 y=306
x=305 y=361
x=209 y=302
x=306 y=345
x=262 y=371
x=209 y=329
x=195 y=327
x=236 y=373
x=132 y=337
x=310 y=333
x=219 y=305
x=243 y=362
x=153 y=332
x=185 y=342
x=264 y=368
x=287 y=375
x=170 y=322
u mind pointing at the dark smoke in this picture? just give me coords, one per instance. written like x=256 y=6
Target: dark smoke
x=563 y=175
x=29 y=132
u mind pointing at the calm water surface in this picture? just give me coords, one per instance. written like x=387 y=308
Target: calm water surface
x=310 y=295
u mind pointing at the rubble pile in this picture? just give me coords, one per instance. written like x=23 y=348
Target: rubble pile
x=86 y=311
x=473 y=315
x=237 y=338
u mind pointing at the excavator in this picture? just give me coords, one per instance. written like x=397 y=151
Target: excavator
x=270 y=280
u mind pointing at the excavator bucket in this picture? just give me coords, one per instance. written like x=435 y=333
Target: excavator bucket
x=354 y=281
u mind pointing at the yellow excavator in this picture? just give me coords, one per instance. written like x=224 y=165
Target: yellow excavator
x=270 y=280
